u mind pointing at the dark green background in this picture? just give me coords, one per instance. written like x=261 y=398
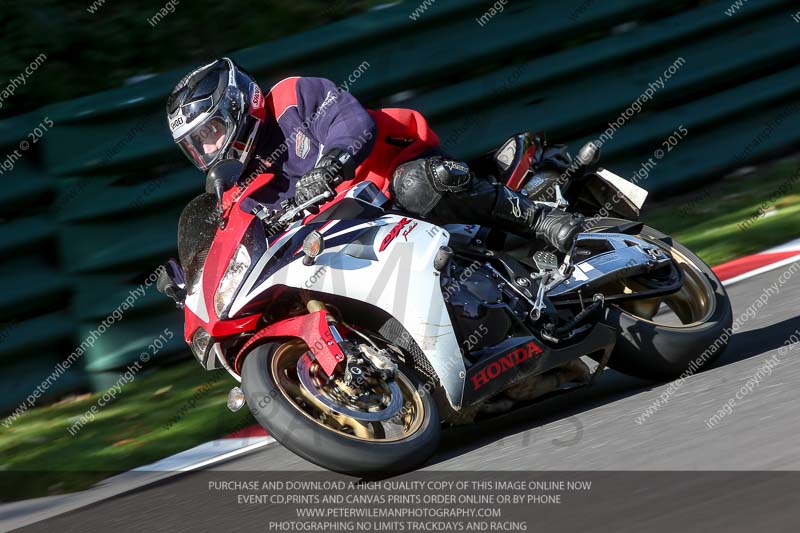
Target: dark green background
x=92 y=208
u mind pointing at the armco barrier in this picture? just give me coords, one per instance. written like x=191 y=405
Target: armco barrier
x=92 y=209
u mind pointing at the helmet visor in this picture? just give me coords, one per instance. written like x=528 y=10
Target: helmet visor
x=206 y=143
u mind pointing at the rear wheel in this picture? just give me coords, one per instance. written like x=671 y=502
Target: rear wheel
x=664 y=337
x=393 y=427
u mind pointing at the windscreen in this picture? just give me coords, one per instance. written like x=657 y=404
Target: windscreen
x=196 y=230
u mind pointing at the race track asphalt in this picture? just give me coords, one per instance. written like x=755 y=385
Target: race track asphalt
x=596 y=430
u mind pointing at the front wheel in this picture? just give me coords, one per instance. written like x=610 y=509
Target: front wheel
x=665 y=337
x=323 y=422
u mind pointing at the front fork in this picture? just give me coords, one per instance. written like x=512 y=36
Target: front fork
x=359 y=365
x=317 y=329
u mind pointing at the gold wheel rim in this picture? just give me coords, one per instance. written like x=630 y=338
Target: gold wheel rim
x=695 y=302
x=401 y=426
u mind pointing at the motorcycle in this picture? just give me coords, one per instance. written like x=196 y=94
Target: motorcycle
x=357 y=332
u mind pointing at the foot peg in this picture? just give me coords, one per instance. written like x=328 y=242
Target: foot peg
x=545 y=261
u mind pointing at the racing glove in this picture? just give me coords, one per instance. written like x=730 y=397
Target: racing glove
x=332 y=169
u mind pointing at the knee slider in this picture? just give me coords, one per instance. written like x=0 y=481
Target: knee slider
x=417 y=186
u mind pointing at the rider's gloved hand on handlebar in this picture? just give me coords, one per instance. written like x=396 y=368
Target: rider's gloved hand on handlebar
x=332 y=169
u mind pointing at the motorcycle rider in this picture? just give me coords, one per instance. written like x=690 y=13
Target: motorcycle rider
x=304 y=131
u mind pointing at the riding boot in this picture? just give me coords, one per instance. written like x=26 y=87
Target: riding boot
x=494 y=205
x=518 y=214
x=448 y=192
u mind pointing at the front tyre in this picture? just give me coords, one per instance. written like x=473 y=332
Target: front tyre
x=323 y=427
x=663 y=338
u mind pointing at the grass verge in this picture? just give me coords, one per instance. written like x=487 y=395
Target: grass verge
x=739 y=215
x=157 y=415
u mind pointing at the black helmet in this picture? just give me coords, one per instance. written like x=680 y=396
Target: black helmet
x=214 y=113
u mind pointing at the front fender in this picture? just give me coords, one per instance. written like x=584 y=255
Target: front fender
x=313 y=328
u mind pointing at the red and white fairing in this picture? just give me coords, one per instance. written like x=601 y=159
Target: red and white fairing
x=386 y=262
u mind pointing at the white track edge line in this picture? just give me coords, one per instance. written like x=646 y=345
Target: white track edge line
x=228 y=455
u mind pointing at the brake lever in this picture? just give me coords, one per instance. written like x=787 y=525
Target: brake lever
x=291 y=214
x=268 y=215
x=567 y=267
x=547 y=282
x=561 y=202
x=538 y=305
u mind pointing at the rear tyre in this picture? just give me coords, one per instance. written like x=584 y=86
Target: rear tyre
x=652 y=350
x=311 y=429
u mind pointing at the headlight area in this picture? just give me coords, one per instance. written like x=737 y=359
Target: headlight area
x=232 y=279
x=201 y=345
